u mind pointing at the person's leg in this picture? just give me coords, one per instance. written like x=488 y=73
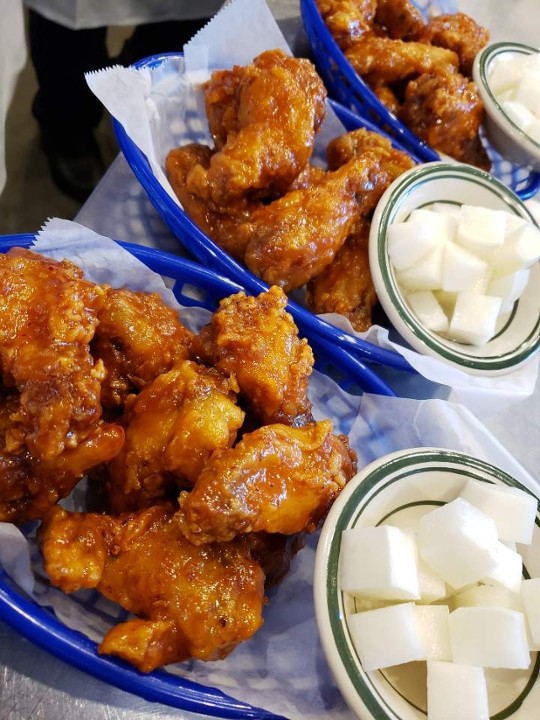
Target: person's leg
x=65 y=108
x=154 y=38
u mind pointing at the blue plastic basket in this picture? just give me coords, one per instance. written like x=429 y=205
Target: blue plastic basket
x=193 y=286
x=207 y=252
x=348 y=88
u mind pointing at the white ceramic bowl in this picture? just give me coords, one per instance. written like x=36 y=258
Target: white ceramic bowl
x=510 y=141
x=517 y=335
x=398 y=489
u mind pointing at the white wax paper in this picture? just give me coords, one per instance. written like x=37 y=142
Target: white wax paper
x=282 y=668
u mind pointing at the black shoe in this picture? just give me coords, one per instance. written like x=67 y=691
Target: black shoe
x=75 y=164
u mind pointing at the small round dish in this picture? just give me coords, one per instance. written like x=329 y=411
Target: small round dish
x=504 y=134
x=398 y=489
x=517 y=335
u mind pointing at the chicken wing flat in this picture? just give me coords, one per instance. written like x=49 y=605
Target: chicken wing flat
x=399 y=19
x=277 y=479
x=346 y=286
x=457 y=32
x=132 y=326
x=172 y=427
x=198 y=602
x=48 y=316
x=347 y=20
x=256 y=340
x=281 y=104
x=445 y=110
x=358 y=142
x=30 y=486
x=220 y=223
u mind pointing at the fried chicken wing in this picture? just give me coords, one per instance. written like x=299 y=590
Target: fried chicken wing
x=172 y=427
x=345 y=286
x=274 y=553
x=347 y=20
x=277 y=479
x=457 y=32
x=29 y=486
x=399 y=19
x=445 y=110
x=256 y=340
x=280 y=106
x=198 y=602
x=48 y=316
x=132 y=325
x=356 y=143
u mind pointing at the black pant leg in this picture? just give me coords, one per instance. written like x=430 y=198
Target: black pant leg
x=153 y=38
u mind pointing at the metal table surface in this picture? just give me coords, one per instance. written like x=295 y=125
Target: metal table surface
x=34 y=685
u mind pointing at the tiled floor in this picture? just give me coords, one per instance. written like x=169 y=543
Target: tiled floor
x=30 y=196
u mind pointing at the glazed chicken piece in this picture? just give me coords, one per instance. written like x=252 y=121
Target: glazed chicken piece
x=356 y=143
x=190 y=602
x=30 y=486
x=132 y=325
x=48 y=316
x=445 y=110
x=274 y=553
x=280 y=107
x=277 y=479
x=380 y=59
x=256 y=340
x=457 y=32
x=219 y=223
x=399 y=19
x=347 y=20
x=345 y=286
x=172 y=428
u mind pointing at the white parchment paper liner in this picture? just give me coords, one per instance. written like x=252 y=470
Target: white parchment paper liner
x=282 y=667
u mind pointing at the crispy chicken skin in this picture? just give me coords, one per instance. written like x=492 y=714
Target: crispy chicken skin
x=172 y=428
x=132 y=325
x=48 y=316
x=30 y=486
x=189 y=601
x=256 y=340
x=280 y=106
x=356 y=143
x=457 y=32
x=347 y=20
x=399 y=19
x=277 y=479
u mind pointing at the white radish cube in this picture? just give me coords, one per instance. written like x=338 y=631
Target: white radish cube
x=433 y=623
x=458 y=542
x=520 y=250
x=379 y=562
x=533 y=131
x=512 y=510
x=474 y=318
x=432 y=586
x=527 y=92
x=442 y=225
x=518 y=114
x=489 y=637
x=456 y=692
x=530 y=595
x=462 y=270
x=387 y=636
x=408 y=242
x=509 y=288
x=451 y=209
x=504 y=73
x=485 y=596
x=480 y=230
x=508 y=571
x=513 y=222
x=447 y=300
x=426 y=274
x=533 y=206
x=424 y=305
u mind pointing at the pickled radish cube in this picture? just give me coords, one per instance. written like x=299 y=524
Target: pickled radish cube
x=518 y=114
x=424 y=305
x=458 y=542
x=504 y=73
x=379 y=562
x=426 y=274
x=526 y=91
x=442 y=225
x=513 y=222
x=512 y=509
x=456 y=691
x=450 y=209
x=520 y=250
x=409 y=242
x=509 y=288
x=462 y=270
x=486 y=595
x=480 y=230
x=530 y=595
x=533 y=131
x=508 y=570
x=474 y=318
x=447 y=300
x=432 y=586
x=433 y=624
x=489 y=637
x=387 y=636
